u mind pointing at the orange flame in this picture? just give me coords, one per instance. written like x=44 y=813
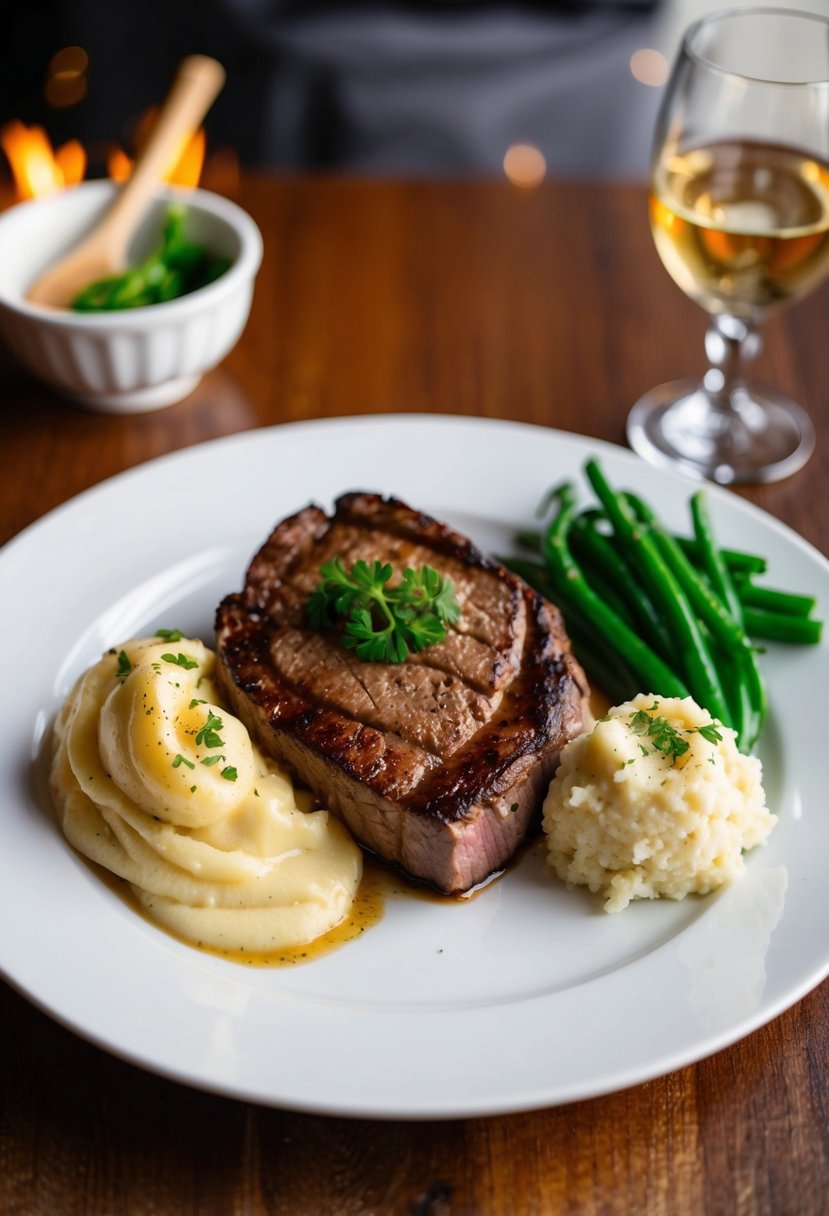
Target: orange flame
x=186 y=170
x=37 y=169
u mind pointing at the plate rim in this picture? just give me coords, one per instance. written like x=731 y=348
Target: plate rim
x=458 y=1109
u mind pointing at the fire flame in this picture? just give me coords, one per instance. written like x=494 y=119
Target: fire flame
x=185 y=172
x=39 y=170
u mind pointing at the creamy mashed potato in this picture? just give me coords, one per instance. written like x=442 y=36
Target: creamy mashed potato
x=632 y=815
x=155 y=780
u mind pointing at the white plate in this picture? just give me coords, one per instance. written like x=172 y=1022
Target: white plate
x=526 y=996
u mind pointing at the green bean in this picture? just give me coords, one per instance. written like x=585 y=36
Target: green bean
x=786 y=603
x=739 y=696
x=726 y=641
x=753 y=690
x=648 y=610
x=781 y=627
x=734 y=655
x=604 y=557
x=603 y=667
x=707 y=605
x=698 y=667
x=711 y=559
x=534 y=573
x=648 y=667
x=736 y=560
x=594 y=572
x=529 y=538
x=603 y=664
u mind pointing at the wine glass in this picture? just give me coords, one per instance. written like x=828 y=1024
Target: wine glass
x=739 y=209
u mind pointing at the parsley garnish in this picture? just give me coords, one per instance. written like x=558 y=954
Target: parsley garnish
x=179 y=760
x=229 y=773
x=209 y=735
x=196 y=701
x=209 y=761
x=180 y=660
x=124 y=666
x=383 y=623
x=666 y=738
x=169 y=635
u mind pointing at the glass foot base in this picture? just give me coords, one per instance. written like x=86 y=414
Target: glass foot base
x=763 y=436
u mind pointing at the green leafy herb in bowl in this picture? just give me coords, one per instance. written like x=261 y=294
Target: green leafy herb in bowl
x=177 y=267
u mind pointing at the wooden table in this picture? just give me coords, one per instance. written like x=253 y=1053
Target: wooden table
x=473 y=298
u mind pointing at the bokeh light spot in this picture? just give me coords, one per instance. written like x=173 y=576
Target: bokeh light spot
x=649 y=67
x=525 y=166
x=66 y=81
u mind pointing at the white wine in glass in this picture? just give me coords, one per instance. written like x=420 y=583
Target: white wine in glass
x=739 y=209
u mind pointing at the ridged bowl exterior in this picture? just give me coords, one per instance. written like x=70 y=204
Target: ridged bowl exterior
x=134 y=359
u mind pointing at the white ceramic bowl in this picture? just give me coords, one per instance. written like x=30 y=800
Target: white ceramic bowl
x=135 y=359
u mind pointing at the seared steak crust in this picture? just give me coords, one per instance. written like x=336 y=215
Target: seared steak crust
x=438 y=763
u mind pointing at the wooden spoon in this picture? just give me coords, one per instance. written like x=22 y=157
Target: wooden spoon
x=103 y=252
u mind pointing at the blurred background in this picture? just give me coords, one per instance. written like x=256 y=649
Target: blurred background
x=567 y=88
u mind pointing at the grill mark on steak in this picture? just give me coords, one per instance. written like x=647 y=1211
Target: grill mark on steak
x=485 y=632
x=489 y=631
x=379 y=694
x=388 y=764
x=438 y=763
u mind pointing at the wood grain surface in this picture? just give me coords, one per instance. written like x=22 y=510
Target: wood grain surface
x=547 y=306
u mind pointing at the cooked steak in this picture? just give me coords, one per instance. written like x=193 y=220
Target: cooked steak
x=437 y=763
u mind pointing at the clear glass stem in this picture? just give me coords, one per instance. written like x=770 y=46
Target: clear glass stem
x=729 y=342
x=719 y=427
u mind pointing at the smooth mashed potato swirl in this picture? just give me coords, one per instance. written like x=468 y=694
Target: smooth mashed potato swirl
x=155 y=780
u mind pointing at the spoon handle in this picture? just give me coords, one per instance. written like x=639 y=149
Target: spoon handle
x=193 y=91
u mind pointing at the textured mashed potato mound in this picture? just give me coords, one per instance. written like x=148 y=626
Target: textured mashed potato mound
x=155 y=780
x=630 y=821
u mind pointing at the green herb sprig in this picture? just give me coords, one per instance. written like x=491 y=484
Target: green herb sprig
x=124 y=666
x=180 y=660
x=208 y=735
x=665 y=738
x=384 y=621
